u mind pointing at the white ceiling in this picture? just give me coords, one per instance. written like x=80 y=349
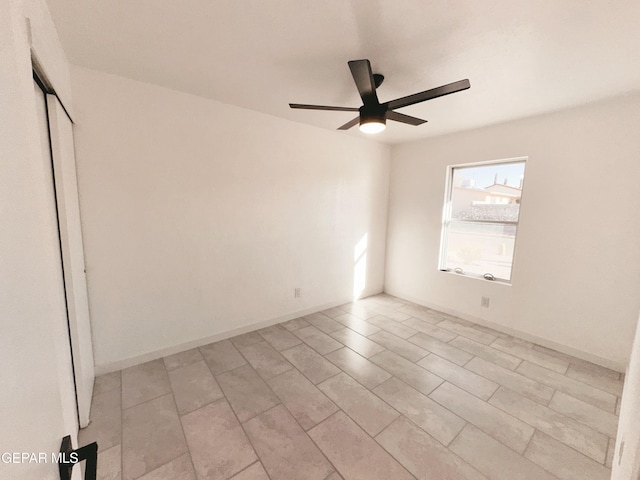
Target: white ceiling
x=522 y=57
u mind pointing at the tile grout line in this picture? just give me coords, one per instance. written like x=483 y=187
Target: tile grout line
x=180 y=419
x=281 y=403
x=457 y=335
x=366 y=433
x=467 y=422
x=226 y=399
x=560 y=441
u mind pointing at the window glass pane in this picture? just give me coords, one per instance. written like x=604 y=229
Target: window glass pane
x=487 y=192
x=479 y=248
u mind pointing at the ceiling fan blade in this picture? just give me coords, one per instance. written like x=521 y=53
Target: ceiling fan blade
x=401 y=117
x=428 y=94
x=323 y=107
x=350 y=123
x=363 y=76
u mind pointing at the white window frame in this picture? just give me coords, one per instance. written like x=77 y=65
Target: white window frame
x=446 y=219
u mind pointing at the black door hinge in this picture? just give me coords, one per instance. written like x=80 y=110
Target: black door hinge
x=69 y=458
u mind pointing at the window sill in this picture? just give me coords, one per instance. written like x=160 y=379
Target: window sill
x=497 y=281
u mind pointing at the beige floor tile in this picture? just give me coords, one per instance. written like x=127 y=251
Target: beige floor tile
x=333 y=312
x=573 y=413
x=144 y=382
x=357 y=324
x=366 y=409
x=586 y=413
x=423 y=313
x=466 y=331
x=440 y=348
x=430 y=329
x=595 y=377
x=459 y=376
x=388 y=300
x=246 y=339
x=318 y=340
x=254 y=472
x=310 y=363
x=562 y=428
x=284 y=448
x=265 y=359
x=178 y=469
x=279 y=337
x=151 y=436
x=295 y=324
x=390 y=312
x=403 y=348
x=408 y=372
x=437 y=421
x=354 y=454
x=359 y=368
x=490 y=331
x=581 y=391
x=106 y=383
x=493 y=459
x=392 y=326
x=106 y=421
x=519 y=383
x=485 y=352
x=509 y=430
x=524 y=350
x=358 y=310
x=247 y=393
x=219 y=447
x=357 y=342
x=458 y=320
x=423 y=456
x=323 y=323
x=564 y=462
x=193 y=387
x=222 y=356
x=302 y=398
x=182 y=359
x=109 y=464
x=596 y=369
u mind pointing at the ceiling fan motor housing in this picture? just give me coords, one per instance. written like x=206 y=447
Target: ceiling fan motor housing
x=373 y=114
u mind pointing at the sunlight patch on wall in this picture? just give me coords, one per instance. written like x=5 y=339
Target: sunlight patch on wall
x=360 y=267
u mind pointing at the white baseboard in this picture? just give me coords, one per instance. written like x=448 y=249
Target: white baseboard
x=147 y=357
x=587 y=356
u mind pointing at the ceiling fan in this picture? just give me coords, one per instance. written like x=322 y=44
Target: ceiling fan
x=373 y=114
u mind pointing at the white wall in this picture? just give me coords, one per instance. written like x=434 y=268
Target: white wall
x=34 y=346
x=576 y=278
x=201 y=218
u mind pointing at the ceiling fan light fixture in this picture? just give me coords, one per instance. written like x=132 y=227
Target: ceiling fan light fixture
x=371 y=127
x=372 y=122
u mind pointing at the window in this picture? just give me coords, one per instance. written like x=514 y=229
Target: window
x=480 y=220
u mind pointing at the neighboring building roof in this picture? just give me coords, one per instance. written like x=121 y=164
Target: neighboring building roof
x=499 y=186
x=492 y=212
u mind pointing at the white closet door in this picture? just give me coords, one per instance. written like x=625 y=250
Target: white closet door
x=64 y=163
x=626 y=459
x=59 y=331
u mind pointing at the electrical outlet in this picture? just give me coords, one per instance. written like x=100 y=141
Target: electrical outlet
x=484 y=302
x=297 y=292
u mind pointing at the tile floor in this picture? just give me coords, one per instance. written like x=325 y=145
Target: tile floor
x=377 y=389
